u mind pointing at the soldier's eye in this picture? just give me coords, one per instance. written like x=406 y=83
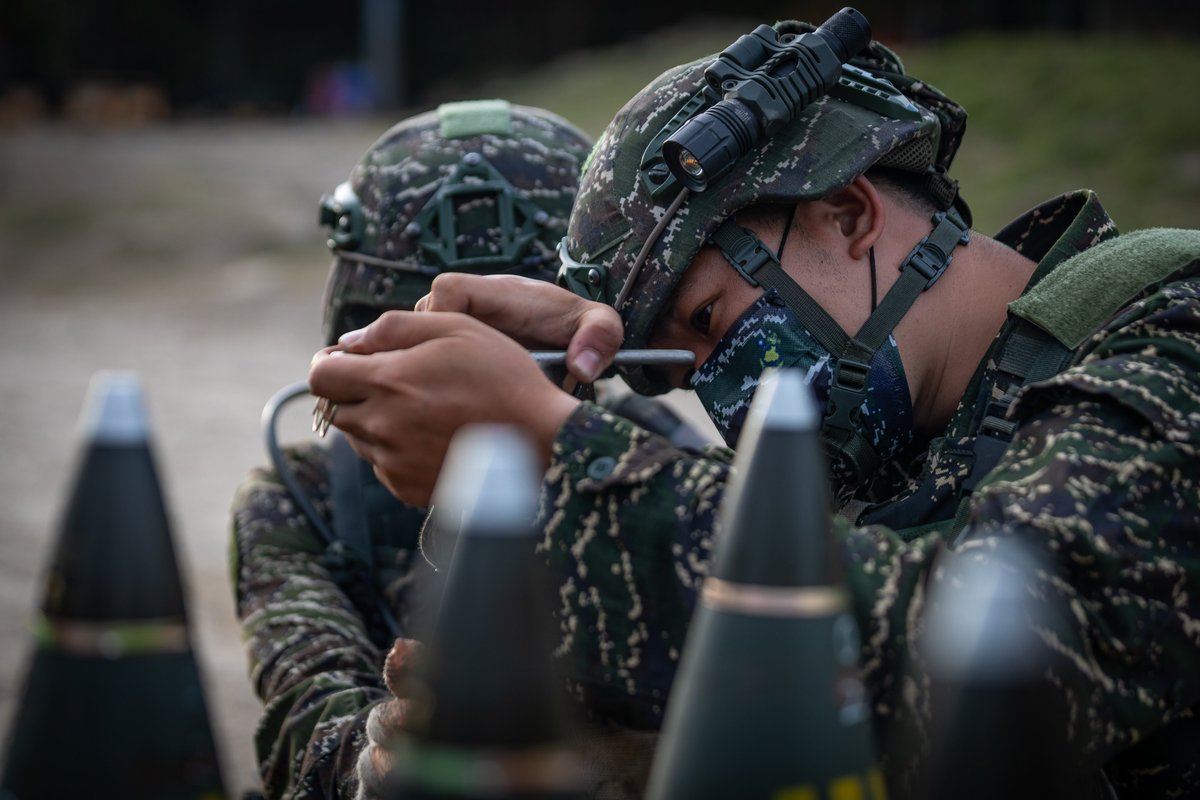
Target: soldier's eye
x=702 y=318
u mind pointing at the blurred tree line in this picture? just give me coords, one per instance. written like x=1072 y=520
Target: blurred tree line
x=290 y=56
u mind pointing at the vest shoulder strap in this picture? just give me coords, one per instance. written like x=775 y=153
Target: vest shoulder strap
x=1108 y=275
x=1045 y=329
x=1054 y=318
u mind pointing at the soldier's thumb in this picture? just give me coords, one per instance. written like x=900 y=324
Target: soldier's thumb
x=597 y=337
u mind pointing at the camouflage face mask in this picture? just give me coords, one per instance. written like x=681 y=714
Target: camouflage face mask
x=770 y=335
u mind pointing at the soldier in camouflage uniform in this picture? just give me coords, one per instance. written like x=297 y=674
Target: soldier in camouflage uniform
x=1043 y=386
x=479 y=187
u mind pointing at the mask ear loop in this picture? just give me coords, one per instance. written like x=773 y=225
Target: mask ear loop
x=874 y=304
x=787 y=228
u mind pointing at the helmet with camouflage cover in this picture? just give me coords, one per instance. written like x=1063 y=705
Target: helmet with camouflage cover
x=481 y=186
x=634 y=231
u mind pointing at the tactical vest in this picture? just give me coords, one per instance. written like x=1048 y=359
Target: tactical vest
x=1046 y=332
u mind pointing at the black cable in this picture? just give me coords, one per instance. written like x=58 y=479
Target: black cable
x=787 y=228
x=270 y=418
x=874 y=295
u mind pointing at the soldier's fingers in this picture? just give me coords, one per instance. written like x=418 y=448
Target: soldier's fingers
x=360 y=424
x=399 y=330
x=399 y=663
x=415 y=492
x=535 y=313
x=496 y=299
x=340 y=377
x=597 y=337
x=393 y=715
x=376 y=356
x=407 y=473
x=375 y=761
x=452 y=291
x=360 y=445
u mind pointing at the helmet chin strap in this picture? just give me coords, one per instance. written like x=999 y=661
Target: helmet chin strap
x=852 y=355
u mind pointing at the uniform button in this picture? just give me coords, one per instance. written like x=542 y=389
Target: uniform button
x=602 y=467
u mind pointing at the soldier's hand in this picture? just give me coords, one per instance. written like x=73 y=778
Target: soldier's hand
x=387 y=719
x=535 y=313
x=410 y=380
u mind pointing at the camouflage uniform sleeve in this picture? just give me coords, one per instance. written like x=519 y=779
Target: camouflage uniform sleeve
x=312 y=662
x=1102 y=485
x=628 y=521
x=1101 y=482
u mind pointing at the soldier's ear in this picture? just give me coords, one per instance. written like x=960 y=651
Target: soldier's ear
x=852 y=218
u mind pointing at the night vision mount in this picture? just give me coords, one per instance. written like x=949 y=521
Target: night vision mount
x=765 y=80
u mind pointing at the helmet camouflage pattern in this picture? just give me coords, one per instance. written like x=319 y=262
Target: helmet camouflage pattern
x=480 y=186
x=832 y=141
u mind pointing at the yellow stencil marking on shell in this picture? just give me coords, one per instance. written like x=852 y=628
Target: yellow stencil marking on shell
x=847 y=787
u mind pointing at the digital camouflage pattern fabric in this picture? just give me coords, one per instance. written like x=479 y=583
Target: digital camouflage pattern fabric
x=830 y=143
x=1101 y=482
x=476 y=186
x=769 y=335
x=313 y=662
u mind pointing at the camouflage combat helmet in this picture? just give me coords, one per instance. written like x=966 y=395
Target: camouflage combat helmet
x=480 y=186
x=634 y=230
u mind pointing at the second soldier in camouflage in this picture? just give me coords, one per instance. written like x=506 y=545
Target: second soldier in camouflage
x=1039 y=385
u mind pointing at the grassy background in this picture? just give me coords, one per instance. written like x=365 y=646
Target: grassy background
x=1046 y=113
x=1051 y=114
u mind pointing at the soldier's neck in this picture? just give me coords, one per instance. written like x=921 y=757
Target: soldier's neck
x=970 y=305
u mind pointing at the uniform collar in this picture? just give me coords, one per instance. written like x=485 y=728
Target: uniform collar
x=1058 y=229
x=1049 y=234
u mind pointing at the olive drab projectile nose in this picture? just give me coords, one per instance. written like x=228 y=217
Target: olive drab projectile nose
x=489 y=716
x=767 y=702
x=113 y=703
x=999 y=722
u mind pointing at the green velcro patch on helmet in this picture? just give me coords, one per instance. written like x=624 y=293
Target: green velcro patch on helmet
x=474 y=117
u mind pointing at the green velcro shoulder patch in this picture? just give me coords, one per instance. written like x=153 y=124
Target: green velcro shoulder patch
x=1083 y=292
x=475 y=117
